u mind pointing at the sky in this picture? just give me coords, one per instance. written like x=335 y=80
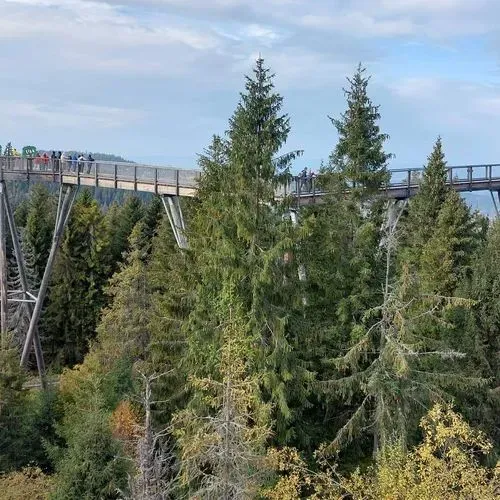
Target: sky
x=153 y=80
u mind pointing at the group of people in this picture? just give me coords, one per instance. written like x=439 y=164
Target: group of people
x=61 y=161
x=305 y=180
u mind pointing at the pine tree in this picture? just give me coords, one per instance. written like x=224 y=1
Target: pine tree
x=76 y=293
x=359 y=154
x=123 y=332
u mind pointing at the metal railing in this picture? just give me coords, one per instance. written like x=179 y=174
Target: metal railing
x=139 y=176
x=462 y=178
x=117 y=172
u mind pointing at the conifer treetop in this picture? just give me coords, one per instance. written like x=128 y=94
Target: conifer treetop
x=359 y=153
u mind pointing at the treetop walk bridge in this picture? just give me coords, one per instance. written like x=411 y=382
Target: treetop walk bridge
x=169 y=181
x=170 y=184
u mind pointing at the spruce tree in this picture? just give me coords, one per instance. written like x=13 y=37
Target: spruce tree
x=40 y=224
x=423 y=209
x=394 y=362
x=120 y=221
x=76 y=292
x=446 y=256
x=223 y=446
x=359 y=155
x=238 y=233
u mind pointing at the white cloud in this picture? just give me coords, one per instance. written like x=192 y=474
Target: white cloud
x=457 y=104
x=70 y=115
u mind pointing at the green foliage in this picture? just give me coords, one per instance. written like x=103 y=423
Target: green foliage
x=120 y=221
x=238 y=235
x=446 y=255
x=76 y=292
x=40 y=222
x=424 y=208
x=359 y=154
x=92 y=465
x=222 y=445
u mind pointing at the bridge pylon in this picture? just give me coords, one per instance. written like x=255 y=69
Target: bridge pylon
x=67 y=195
x=174 y=213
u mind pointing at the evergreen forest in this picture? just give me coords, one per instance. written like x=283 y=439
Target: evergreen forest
x=349 y=349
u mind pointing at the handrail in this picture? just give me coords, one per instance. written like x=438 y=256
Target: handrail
x=183 y=182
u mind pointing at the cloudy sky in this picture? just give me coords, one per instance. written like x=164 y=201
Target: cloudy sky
x=154 y=79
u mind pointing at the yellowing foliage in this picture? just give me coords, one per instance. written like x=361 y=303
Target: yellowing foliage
x=443 y=467
x=30 y=483
x=125 y=425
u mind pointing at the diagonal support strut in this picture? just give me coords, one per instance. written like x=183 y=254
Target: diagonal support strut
x=27 y=296
x=176 y=219
x=64 y=209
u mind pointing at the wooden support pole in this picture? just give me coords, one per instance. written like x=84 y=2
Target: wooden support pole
x=24 y=285
x=66 y=205
x=3 y=265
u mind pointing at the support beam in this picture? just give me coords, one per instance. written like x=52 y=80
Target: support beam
x=3 y=265
x=302 y=269
x=27 y=296
x=69 y=198
x=495 y=202
x=174 y=213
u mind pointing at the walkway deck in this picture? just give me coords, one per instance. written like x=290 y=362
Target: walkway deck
x=404 y=183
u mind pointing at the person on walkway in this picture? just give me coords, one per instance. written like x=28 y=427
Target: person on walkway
x=64 y=162
x=90 y=160
x=310 y=180
x=53 y=160
x=38 y=161
x=58 y=161
x=45 y=161
x=303 y=179
x=73 y=162
x=81 y=163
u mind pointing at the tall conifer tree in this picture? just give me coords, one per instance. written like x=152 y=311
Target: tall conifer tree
x=359 y=154
x=76 y=294
x=238 y=233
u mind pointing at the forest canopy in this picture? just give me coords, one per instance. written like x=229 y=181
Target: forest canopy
x=346 y=349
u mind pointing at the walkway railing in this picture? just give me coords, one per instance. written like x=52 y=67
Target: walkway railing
x=105 y=173
x=403 y=183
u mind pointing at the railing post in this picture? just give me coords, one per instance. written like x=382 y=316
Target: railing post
x=116 y=174
x=156 y=181
x=96 y=174
x=450 y=176
x=469 y=177
x=177 y=182
x=135 y=177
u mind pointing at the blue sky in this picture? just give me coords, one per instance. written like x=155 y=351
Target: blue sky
x=154 y=79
